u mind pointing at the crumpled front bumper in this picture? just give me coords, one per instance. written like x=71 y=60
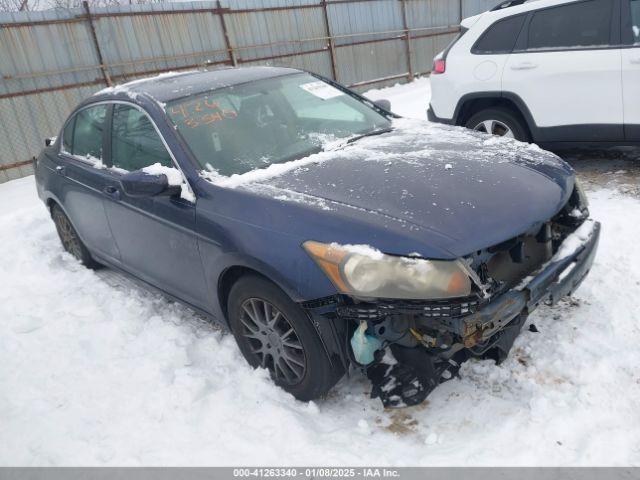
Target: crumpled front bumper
x=559 y=277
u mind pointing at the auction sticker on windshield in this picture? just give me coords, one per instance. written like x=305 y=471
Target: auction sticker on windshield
x=321 y=90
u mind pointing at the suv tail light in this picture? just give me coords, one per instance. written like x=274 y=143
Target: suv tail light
x=439 y=66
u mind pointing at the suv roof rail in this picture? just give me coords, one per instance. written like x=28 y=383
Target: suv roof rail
x=507 y=4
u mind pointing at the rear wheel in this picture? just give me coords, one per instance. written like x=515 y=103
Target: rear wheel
x=273 y=332
x=70 y=239
x=499 y=121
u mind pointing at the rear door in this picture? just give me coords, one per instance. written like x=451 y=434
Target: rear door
x=566 y=68
x=84 y=179
x=155 y=235
x=631 y=68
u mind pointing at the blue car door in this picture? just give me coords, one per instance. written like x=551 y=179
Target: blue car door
x=82 y=179
x=155 y=235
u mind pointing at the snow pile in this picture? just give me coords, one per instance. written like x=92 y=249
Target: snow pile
x=575 y=241
x=95 y=371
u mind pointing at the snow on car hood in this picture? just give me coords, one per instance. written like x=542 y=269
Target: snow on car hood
x=471 y=188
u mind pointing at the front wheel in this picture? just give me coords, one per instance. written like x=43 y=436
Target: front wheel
x=501 y=122
x=273 y=332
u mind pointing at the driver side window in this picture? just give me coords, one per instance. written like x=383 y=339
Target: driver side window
x=135 y=144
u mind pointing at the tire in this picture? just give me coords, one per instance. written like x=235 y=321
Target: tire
x=501 y=122
x=303 y=367
x=70 y=239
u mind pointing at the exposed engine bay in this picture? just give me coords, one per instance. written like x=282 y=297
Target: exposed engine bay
x=407 y=348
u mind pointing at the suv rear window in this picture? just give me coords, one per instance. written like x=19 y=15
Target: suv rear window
x=500 y=37
x=582 y=24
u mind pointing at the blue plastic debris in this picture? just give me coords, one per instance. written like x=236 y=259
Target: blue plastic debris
x=364 y=346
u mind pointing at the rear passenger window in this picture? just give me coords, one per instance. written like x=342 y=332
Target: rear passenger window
x=135 y=142
x=501 y=37
x=582 y=24
x=635 y=20
x=88 y=128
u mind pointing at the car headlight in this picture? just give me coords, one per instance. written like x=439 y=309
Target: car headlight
x=367 y=273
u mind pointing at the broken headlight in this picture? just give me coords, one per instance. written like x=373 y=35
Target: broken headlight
x=367 y=273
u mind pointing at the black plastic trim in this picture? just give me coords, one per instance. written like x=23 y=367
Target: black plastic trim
x=579 y=134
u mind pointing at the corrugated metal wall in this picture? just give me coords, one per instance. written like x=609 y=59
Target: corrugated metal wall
x=51 y=60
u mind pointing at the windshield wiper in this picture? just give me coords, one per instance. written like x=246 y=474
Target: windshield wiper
x=372 y=133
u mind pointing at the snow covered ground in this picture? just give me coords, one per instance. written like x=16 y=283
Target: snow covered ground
x=95 y=371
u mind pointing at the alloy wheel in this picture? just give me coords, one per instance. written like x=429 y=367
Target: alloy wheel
x=68 y=236
x=273 y=341
x=494 y=127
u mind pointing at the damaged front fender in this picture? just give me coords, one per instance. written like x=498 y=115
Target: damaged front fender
x=424 y=343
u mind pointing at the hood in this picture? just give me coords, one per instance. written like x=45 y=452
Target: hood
x=468 y=188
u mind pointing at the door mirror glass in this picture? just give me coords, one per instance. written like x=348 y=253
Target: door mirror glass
x=383 y=104
x=141 y=184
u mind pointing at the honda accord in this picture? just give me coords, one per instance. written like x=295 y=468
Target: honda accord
x=328 y=234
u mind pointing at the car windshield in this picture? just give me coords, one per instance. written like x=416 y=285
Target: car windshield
x=246 y=127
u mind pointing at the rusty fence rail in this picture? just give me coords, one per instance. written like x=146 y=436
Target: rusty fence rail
x=50 y=60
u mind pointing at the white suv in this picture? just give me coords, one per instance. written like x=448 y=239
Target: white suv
x=555 y=72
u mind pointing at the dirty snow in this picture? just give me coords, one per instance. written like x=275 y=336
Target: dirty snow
x=574 y=241
x=96 y=371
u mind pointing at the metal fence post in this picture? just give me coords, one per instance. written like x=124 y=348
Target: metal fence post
x=407 y=38
x=230 y=52
x=92 y=29
x=332 y=46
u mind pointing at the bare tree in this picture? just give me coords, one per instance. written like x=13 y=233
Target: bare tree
x=18 y=5
x=26 y=5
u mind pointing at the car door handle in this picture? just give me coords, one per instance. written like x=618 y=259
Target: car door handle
x=524 y=66
x=61 y=170
x=111 y=192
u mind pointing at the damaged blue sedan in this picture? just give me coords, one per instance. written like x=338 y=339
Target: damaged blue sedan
x=326 y=232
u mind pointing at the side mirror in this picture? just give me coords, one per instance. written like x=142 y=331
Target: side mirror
x=49 y=141
x=141 y=184
x=383 y=104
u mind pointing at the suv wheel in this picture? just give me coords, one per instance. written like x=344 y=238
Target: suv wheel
x=70 y=239
x=273 y=332
x=499 y=121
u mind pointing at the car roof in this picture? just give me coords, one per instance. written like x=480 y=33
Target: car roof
x=173 y=85
x=509 y=10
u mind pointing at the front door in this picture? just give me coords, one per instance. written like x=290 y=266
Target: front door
x=566 y=69
x=155 y=235
x=83 y=179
